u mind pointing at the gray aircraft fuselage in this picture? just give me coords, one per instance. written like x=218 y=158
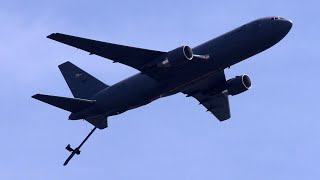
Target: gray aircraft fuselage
x=224 y=51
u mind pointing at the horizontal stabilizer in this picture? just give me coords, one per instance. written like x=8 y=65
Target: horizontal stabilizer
x=68 y=104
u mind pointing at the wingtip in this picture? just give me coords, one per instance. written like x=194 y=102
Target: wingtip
x=35 y=96
x=221 y=119
x=51 y=35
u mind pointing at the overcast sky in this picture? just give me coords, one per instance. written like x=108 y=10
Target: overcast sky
x=273 y=133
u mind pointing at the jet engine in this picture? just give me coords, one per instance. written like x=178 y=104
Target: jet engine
x=177 y=57
x=238 y=85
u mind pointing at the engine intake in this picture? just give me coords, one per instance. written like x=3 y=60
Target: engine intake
x=238 y=85
x=177 y=57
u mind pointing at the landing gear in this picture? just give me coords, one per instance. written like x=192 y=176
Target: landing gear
x=77 y=150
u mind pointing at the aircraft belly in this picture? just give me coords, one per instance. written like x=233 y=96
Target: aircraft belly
x=128 y=94
x=140 y=89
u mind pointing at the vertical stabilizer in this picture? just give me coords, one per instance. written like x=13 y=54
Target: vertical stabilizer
x=81 y=84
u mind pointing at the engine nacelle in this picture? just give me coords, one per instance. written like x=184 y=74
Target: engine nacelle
x=177 y=57
x=238 y=85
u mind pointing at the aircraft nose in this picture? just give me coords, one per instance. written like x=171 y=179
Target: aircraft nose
x=284 y=26
x=287 y=25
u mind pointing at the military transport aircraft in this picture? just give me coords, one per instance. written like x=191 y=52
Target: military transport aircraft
x=197 y=72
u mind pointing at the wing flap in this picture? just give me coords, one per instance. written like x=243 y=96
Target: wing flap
x=218 y=105
x=209 y=94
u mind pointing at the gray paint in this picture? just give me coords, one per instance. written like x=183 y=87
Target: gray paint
x=143 y=88
x=243 y=42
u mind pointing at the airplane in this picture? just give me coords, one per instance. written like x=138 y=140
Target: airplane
x=197 y=72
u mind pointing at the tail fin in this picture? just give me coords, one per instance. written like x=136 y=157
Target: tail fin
x=81 y=84
x=68 y=104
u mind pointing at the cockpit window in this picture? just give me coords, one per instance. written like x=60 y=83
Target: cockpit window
x=276 y=18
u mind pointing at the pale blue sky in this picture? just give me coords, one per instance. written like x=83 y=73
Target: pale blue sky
x=274 y=129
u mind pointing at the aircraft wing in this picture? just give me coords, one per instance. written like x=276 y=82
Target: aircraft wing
x=131 y=56
x=209 y=94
